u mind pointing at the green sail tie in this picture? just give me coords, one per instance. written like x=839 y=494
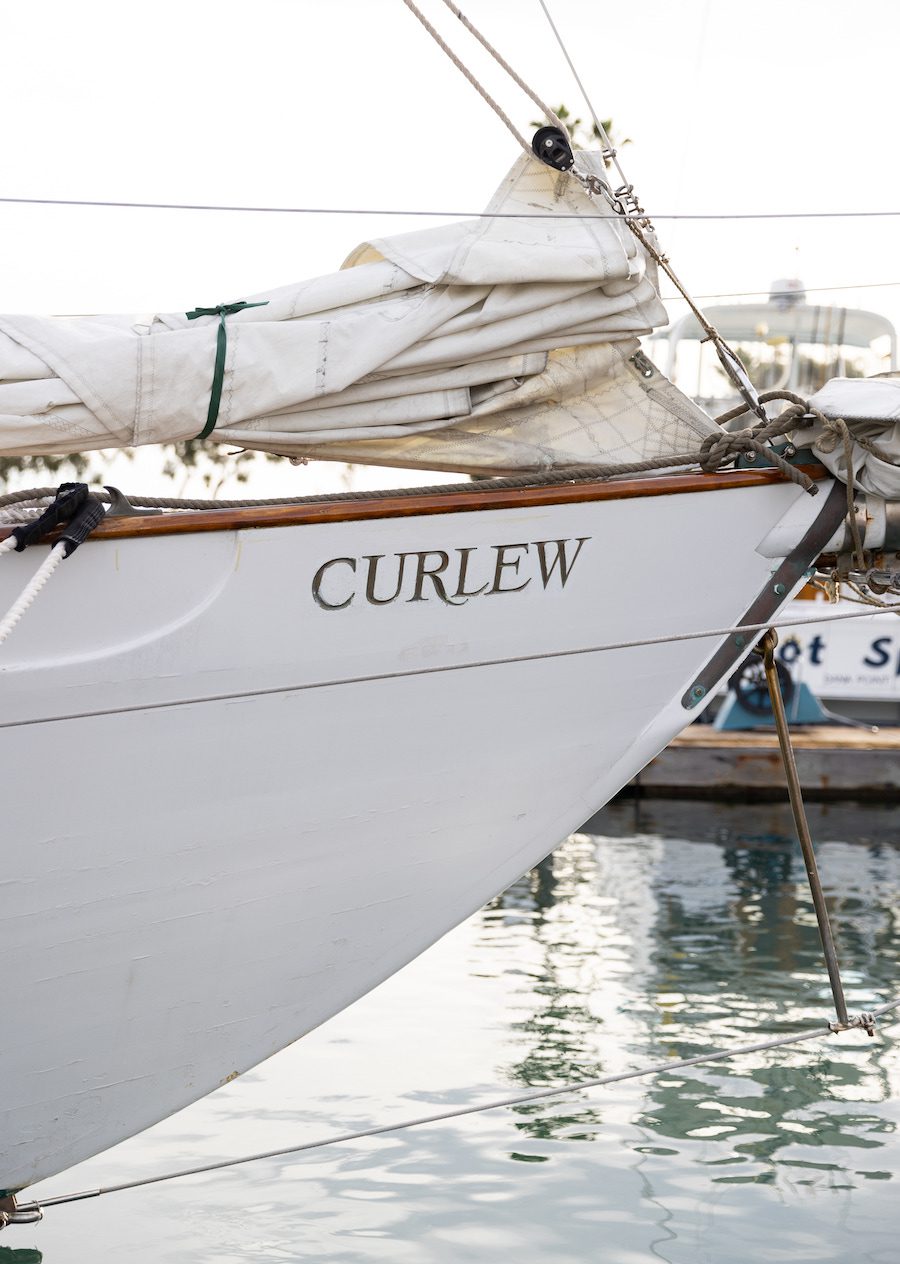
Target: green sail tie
x=215 y=396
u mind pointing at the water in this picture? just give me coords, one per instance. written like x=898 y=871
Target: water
x=661 y=931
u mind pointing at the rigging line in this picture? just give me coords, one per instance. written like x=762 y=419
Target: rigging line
x=486 y=44
x=609 y=150
x=376 y=210
x=810 y=289
x=693 y=106
x=465 y=72
x=625 y=203
x=441 y=1116
x=474 y=665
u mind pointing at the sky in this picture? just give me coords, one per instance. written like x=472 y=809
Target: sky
x=775 y=106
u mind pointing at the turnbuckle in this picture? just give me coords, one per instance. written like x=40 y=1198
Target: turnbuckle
x=865 y=1020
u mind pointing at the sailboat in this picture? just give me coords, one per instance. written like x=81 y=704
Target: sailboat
x=254 y=759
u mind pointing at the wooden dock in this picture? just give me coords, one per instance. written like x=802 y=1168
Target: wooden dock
x=834 y=762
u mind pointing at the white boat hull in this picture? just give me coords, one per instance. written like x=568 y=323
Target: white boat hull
x=233 y=805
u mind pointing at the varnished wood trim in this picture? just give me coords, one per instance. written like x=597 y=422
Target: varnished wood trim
x=178 y=523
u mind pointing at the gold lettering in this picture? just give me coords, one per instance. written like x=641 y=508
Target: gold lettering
x=320 y=575
x=373 y=559
x=424 y=572
x=501 y=565
x=554 y=558
x=561 y=559
x=463 y=570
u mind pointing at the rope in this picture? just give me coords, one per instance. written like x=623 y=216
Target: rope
x=863 y=598
x=706 y=634
x=838 y=428
x=717 y=449
x=715 y=452
x=29 y=494
x=485 y=44
x=610 y=153
x=464 y=70
x=32 y=588
x=576 y=474
x=869 y=445
x=382 y=210
x=18 y=516
x=475 y=665
x=863 y=1022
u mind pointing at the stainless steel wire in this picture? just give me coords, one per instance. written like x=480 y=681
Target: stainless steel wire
x=863 y=1022
x=448 y=214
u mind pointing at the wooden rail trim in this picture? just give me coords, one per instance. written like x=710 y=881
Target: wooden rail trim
x=191 y=521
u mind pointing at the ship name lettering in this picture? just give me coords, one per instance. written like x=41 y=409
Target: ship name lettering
x=452 y=577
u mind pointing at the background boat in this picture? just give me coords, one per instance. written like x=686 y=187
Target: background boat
x=785 y=343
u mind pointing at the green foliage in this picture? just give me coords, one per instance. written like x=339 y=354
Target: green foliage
x=213 y=463
x=65 y=469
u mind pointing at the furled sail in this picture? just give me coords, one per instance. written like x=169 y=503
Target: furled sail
x=867 y=411
x=500 y=344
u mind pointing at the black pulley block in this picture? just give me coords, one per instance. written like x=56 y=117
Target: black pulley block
x=552 y=147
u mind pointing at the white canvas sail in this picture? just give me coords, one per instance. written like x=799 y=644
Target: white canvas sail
x=870 y=407
x=497 y=344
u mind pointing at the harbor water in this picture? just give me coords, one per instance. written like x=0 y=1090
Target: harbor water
x=659 y=932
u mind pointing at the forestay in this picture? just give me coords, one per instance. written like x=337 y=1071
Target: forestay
x=498 y=344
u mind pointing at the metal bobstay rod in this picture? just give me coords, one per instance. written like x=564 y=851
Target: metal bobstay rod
x=767 y=648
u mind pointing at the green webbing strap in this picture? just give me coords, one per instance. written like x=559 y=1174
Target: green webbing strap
x=215 y=396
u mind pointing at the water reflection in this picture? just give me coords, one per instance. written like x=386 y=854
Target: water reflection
x=542 y=921
x=744 y=823
x=663 y=929
x=720 y=938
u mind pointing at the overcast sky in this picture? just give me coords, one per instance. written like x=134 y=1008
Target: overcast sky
x=774 y=105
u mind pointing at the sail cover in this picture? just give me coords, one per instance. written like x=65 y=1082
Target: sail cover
x=870 y=408
x=499 y=344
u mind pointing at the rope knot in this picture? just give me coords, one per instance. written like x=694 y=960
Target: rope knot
x=718 y=449
x=223 y=309
x=836 y=431
x=205 y=311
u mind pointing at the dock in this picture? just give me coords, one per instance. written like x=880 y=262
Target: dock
x=834 y=762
